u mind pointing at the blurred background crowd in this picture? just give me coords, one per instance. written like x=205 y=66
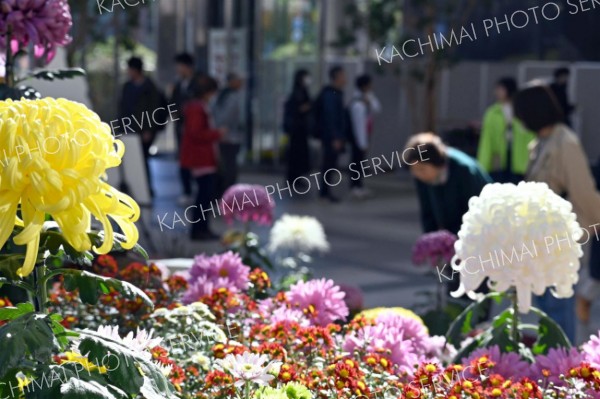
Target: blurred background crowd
x=274 y=90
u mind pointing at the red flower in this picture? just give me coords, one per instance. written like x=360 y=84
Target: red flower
x=105 y=265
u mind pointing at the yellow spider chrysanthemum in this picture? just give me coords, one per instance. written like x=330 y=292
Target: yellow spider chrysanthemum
x=53 y=157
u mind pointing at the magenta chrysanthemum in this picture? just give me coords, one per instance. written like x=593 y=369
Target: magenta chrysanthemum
x=436 y=248
x=320 y=300
x=558 y=361
x=43 y=23
x=405 y=339
x=508 y=365
x=247 y=203
x=591 y=351
x=209 y=273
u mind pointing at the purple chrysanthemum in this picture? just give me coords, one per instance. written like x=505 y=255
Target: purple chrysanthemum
x=591 y=351
x=435 y=248
x=43 y=23
x=320 y=300
x=404 y=338
x=217 y=271
x=247 y=203
x=508 y=365
x=558 y=361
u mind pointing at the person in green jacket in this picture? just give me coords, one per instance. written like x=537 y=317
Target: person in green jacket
x=503 y=145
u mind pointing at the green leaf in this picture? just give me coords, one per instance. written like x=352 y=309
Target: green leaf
x=90 y=285
x=27 y=336
x=60 y=332
x=79 y=389
x=550 y=334
x=11 y=313
x=126 y=368
x=58 y=245
x=464 y=323
x=118 y=239
x=9 y=264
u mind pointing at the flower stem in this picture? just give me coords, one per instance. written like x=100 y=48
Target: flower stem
x=247 y=390
x=41 y=288
x=515 y=321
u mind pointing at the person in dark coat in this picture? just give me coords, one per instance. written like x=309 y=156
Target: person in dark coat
x=200 y=156
x=183 y=92
x=140 y=96
x=298 y=110
x=332 y=124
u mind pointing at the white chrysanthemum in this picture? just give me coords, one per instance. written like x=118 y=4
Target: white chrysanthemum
x=302 y=234
x=140 y=343
x=165 y=369
x=200 y=360
x=249 y=367
x=521 y=236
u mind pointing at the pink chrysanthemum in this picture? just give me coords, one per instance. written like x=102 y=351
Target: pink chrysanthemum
x=558 y=361
x=286 y=315
x=272 y=313
x=204 y=286
x=320 y=300
x=209 y=273
x=44 y=23
x=404 y=339
x=227 y=265
x=436 y=248
x=247 y=203
x=508 y=365
x=591 y=351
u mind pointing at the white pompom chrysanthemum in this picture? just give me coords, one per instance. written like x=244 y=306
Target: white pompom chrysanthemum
x=521 y=236
x=303 y=234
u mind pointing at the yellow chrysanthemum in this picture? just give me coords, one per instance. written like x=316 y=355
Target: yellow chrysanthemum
x=74 y=357
x=372 y=314
x=54 y=157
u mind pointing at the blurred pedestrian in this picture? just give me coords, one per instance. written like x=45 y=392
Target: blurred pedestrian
x=199 y=154
x=446 y=179
x=331 y=127
x=561 y=91
x=361 y=109
x=558 y=160
x=503 y=143
x=141 y=96
x=228 y=114
x=297 y=124
x=182 y=93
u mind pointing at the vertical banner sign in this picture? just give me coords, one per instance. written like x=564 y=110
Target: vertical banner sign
x=218 y=50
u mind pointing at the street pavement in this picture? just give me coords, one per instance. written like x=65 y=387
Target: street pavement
x=370 y=240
